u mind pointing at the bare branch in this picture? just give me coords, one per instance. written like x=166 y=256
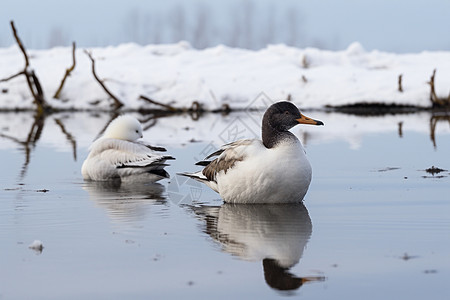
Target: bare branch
x=67 y=74
x=32 y=80
x=37 y=85
x=12 y=76
x=435 y=100
x=166 y=106
x=432 y=91
x=400 y=87
x=117 y=103
x=19 y=42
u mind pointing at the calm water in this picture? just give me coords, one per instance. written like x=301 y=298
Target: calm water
x=374 y=224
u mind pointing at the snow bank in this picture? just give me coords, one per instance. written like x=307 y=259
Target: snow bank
x=178 y=74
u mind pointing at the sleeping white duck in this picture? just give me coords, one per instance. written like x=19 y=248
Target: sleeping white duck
x=119 y=155
x=272 y=170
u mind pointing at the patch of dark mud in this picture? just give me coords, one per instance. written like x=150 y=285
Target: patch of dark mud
x=376 y=109
x=434 y=171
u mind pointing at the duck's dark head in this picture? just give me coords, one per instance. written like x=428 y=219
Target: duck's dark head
x=284 y=115
x=279 y=118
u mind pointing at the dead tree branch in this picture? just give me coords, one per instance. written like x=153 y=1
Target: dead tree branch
x=31 y=77
x=19 y=43
x=433 y=96
x=32 y=80
x=117 y=103
x=400 y=87
x=166 y=106
x=435 y=100
x=67 y=74
x=12 y=76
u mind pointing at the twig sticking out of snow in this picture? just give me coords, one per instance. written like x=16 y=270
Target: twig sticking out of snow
x=305 y=62
x=117 y=103
x=67 y=74
x=435 y=100
x=400 y=87
x=32 y=80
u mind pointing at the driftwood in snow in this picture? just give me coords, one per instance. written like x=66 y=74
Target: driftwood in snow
x=196 y=107
x=67 y=74
x=165 y=106
x=117 y=103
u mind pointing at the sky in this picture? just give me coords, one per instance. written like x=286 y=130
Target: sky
x=387 y=25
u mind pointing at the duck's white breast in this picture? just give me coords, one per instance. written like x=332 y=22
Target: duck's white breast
x=278 y=175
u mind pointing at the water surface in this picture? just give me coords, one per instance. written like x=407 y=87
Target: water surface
x=373 y=225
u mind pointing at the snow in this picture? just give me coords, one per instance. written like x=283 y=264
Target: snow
x=178 y=74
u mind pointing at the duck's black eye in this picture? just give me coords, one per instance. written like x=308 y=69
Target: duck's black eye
x=286 y=112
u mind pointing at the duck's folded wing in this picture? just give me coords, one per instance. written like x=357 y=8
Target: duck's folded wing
x=125 y=154
x=227 y=156
x=154 y=148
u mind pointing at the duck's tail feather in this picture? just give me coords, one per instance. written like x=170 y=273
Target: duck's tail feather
x=197 y=176
x=202 y=178
x=203 y=163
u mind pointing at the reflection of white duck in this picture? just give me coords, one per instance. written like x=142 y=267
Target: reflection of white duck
x=118 y=154
x=273 y=234
x=274 y=170
x=126 y=201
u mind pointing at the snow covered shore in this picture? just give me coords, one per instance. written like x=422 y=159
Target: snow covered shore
x=177 y=74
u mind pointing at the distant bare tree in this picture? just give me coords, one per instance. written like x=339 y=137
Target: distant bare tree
x=147 y=28
x=235 y=31
x=202 y=24
x=247 y=29
x=132 y=26
x=248 y=25
x=178 y=17
x=57 y=37
x=155 y=29
x=269 y=28
x=292 y=24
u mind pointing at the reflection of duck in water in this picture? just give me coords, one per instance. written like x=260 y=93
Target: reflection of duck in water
x=274 y=170
x=273 y=234
x=126 y=200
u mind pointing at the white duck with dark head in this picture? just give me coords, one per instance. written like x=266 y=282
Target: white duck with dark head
x=119 y=155
x=272 y=170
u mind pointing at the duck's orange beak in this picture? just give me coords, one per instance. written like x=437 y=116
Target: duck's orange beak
x=305 y=120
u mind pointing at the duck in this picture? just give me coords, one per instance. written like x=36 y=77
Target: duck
x=272 y=170
x=119 y=154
